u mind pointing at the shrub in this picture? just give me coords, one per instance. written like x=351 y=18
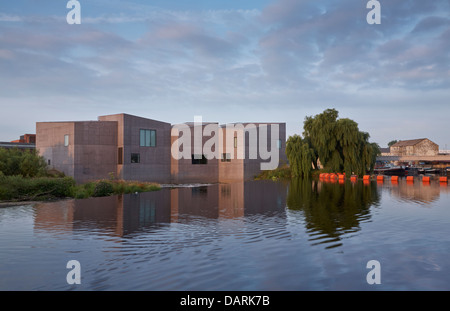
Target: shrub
x=102 y=189
x=278 y=173
x=20 y=188
x=22 y=162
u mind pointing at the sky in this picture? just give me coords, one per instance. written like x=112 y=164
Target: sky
x=229 y=61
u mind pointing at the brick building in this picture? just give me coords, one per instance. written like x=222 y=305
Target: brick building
x=415 y=147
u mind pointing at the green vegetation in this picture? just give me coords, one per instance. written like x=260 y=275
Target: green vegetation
x=337 y=143
x=26 y=163
x=24 y=176
x=392 y=142
x=19 y=188
x=111 y=187
x=283 y=172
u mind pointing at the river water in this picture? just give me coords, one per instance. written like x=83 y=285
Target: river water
x=252 y=236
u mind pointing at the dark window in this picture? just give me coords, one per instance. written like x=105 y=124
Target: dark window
x=147 y=138
x=226 y=157
x=49 y=162
x=203 y=159
x=199 y=191
x=135 y=158
x=120 y=156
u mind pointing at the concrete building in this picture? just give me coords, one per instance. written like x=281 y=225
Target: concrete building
x=136 y=148
x=415 y=147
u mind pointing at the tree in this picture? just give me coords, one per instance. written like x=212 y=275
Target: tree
x=22 y=162
x=392 y=142
x=338 y=143
x=300 y=155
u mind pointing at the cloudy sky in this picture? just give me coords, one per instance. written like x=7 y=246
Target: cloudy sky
x=229 y=61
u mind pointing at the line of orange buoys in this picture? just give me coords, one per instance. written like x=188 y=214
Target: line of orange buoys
x=338 y=177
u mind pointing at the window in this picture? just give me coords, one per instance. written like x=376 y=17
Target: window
x=120 y=156
x=147 y=138
x=135 y=158
x=235 y=142
x=279 y=143
x=199 y=191
x=226 y=157
x=66 y=140
x=196 y=160
x=49 y=162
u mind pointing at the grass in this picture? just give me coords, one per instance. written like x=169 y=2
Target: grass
x=18 y=188
x=283 y=172
x=110 y=187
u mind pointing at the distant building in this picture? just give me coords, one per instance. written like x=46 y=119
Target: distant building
x=136 y=148
x=26 y=142
x=27 y=139
x=385 y=151
x=415 y=147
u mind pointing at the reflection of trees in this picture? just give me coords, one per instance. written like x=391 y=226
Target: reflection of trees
x=331 y=209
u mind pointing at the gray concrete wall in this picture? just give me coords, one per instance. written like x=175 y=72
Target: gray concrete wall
x=50 y=145
x=184 y=171
x=154 y=163
x=91 y=153
x=95 y=150
x=232 y=170
x=252 y=167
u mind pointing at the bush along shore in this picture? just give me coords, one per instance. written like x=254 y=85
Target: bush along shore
x=19 y=188
x=25 y=176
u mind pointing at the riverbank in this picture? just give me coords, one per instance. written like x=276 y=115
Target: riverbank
x=18 y=189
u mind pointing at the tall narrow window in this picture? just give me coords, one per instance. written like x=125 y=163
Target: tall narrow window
x=235 y=142
x=147 y=138
x=66 y=140
x=279 y=144
x=120 y=156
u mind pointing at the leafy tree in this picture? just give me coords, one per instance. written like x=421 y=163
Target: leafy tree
x=392 y=142
x=26 y=163
x=300 y=155
x=337 y=143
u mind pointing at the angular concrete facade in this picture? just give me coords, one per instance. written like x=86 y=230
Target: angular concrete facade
x=136 y=148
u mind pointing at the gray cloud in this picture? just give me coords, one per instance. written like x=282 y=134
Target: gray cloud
x=291 y=59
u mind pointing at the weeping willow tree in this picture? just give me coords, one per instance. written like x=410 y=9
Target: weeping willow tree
x=301 y=156
x=338 y=143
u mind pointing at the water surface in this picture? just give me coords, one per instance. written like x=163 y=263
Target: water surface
x=260 y=235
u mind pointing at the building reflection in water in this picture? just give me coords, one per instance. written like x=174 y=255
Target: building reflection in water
x=330 y=210
x=124 y=214
x=416 y=191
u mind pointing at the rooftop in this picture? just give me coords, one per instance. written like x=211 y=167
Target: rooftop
x=411 y=142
